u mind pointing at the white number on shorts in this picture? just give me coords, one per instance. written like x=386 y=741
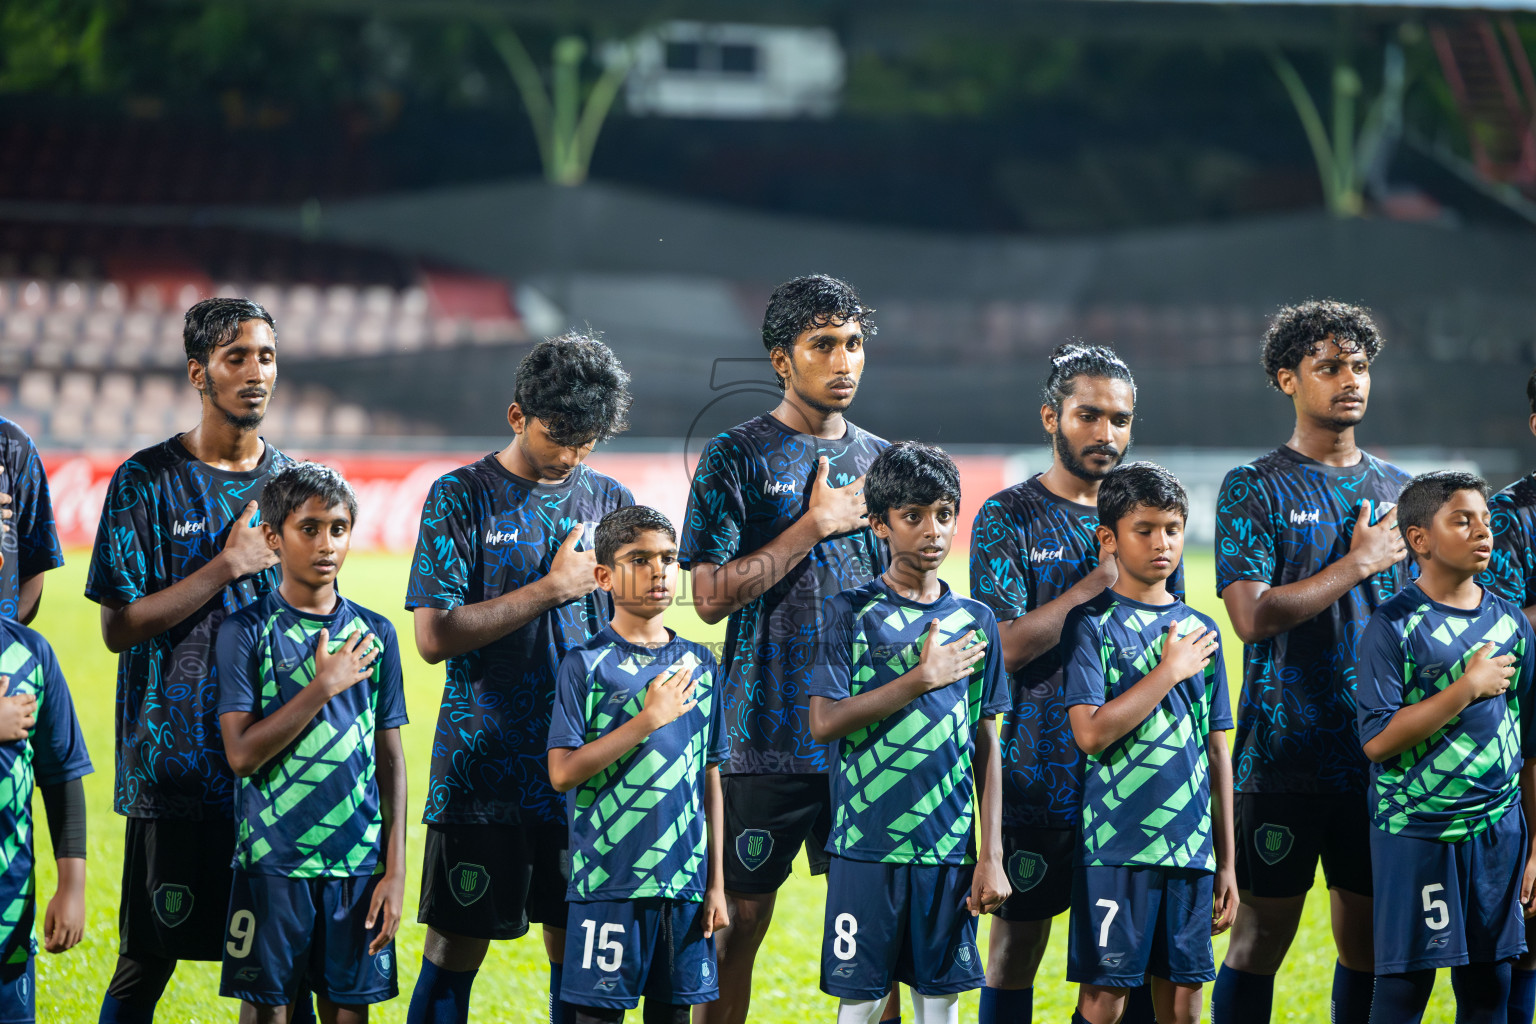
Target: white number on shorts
x=242 y=930
x=610 y=950
x=1436 y=914
x=1112 y=908
x=846 y=926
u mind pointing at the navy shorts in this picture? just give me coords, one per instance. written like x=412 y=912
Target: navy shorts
x=1282 y=836
x=1039 y=862
x=285 y=934
x=175 y=888
x=619 y=950
x=1447 y=904
x=18 y=982
x=898 y=922
x=768 y=818
x=1128 y=922
x=490 y=881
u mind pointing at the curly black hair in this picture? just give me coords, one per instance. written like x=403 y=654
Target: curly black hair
x=1073 y=360
x=291 y=486
x=1296 y=331
x=623 y=525
x=1140 y=484
x=1427 y=494
x=1530 y=391
x=815 y=300
x=214 y=323
x=910 y=473
x=576 y=387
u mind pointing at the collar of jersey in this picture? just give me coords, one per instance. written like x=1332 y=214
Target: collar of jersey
x=850 y=432
x=547 y=486
x=945 y=594
x=1445 y=609
x=1035 y=484
x=611 y=635
x=341 y=603
x=1300 y=459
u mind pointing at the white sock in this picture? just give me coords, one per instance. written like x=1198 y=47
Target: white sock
x=861 y=1011
x=935 y=1009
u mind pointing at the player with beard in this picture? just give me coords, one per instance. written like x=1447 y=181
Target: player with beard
x=177 y=551
x=1307 y=548
x=1035 y=557
x=775 y=525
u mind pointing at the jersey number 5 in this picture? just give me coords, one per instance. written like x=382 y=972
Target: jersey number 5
x=1436 y=914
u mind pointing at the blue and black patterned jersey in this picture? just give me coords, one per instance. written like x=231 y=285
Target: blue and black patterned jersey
x=1511 y=573
x=1147 y=796
x=637 y=826
x=1028 y=547
x=752 y=483
x=1465 y=777
x=30 y=542
x=167 y=515
x=1280 y=519
x=485 y=533
x=903 y=787
x=54 y=753
x=313 y=810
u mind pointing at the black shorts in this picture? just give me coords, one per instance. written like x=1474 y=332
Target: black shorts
x=1039 y=862
x=1281 y=836
x=767 y=819
x=490 y=881
x=176 y=883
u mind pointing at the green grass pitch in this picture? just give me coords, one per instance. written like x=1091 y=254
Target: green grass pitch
x=512 y=986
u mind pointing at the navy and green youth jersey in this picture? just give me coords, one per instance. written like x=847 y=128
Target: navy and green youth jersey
x=166 y=515
x=54 y=753
x=29 y=541
x=485 y=533
x=1028 y=547
x=1465 y=777
x=1147 y=796
x=313 y=810
x=902 y=787
x=637 y=827
x=1511 y=573
x=1280 y=519
x=752 y=483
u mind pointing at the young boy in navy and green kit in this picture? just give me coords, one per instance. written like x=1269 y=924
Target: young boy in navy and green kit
x=1147 y=694
x=1445 y=670
x=907 y=684
x=636 y=741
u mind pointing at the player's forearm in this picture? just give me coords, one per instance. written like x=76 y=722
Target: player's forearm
x=1528 y=795
x=71 y=872
x=1259 y=612
x=29 y=598
x=1035 y=632
x=251 y=740
x=1223 y=837
x=569 y=767
x=1097 y=728
x=714 y=822
x=720 y=590
x=988 y=771
x=128 y=625
x=1412 y=724
x=447 y=633
x=832 y=719
x=1530 y=614
x=389 y=770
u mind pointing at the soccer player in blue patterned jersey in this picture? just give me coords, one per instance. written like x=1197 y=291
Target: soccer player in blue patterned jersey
x=1444 y=694
x=179 y=549
x=54 y=759
x=30 y=542
x=906 y=688
x=1307 y=547
x=502 y=587
x=1147 y=695
x=1035 y=555
x=775 y=525
x=1511 y=574
x=311 y=700
x=636 y=744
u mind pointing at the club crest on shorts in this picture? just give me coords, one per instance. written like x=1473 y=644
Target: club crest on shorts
x=173 y=904
x=1025 y=870
x=965 y=956
x=707 y=972
x=385 y=962
x=468 y=882
x=753 y=847
x=1272 y=842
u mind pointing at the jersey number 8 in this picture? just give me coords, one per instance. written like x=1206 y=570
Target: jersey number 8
x=844 y=946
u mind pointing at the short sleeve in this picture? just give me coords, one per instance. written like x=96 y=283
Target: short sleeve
x=441 y=567
x=568 y=721
x=997 y=576
x=1220 y=719
x=719 y=739
x=1379 y=679
x=58 y=745
x=1509 y=570
x=995 y=695
x=235 y=656
x=1245 y=544
x=717 y=509
x=390 y=712
x=833 y=673
x=37 y=541
x=119 y=560
x=1083 y=679
x=1525 y=689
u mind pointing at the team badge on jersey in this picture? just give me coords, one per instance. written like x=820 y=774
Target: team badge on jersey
x=754 y=846
x=468 y=882
x=1025 y=870
x=1272 y=842
x=173 y=904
